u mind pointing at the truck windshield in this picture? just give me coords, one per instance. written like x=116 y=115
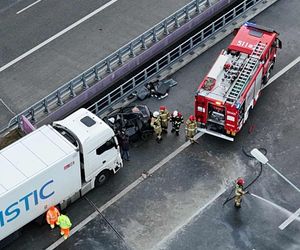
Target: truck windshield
x=67 y=135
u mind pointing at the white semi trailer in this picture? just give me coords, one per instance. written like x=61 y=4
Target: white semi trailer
x=54 y=165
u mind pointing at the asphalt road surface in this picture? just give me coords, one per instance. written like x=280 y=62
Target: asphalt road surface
x=43 y=71
x=180 y=205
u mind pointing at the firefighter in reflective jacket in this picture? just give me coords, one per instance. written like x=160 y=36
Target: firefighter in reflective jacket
x=191 y=128
x=156 y=124
x=177 y=120
x=52 y=216
x=65 y=224
x=239 y=192
x=164 y=117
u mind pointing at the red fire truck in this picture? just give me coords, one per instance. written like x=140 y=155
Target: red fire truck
x=234 y=83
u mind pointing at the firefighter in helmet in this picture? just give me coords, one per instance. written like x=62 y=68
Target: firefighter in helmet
x=239 y=192
x=164 y=117
x=156 y=124
x=177 y=120
x=191 y=128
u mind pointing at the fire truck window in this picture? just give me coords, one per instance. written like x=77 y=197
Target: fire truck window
x=255 y=33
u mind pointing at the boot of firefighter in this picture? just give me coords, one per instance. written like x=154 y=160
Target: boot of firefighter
x=192 y=140
x=158 y=139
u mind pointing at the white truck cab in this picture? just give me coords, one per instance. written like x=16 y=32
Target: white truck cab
x=97 y=144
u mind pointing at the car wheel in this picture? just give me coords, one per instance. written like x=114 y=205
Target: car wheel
x=144 y=136
x=102 y=178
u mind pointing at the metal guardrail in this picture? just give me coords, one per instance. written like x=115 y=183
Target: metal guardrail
x=106 y=66
x=172 y=57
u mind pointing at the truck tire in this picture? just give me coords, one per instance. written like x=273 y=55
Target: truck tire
x=102 y=177
x=267 y=76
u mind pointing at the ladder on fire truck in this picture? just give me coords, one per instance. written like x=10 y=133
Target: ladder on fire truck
x=243 y=78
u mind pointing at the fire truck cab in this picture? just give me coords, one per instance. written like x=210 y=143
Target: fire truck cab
x=234 y=83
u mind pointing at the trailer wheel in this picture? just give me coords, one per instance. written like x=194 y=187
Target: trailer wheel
x=102 y=177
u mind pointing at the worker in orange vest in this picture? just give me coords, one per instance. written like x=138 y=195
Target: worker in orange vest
x=65 y=224
x=52 y=216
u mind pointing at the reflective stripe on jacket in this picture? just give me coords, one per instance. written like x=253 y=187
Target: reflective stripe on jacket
x=164 y=115
x=191 y=125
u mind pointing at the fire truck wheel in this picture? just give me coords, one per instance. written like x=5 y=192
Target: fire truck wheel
x=102 y=178
x=267 y=76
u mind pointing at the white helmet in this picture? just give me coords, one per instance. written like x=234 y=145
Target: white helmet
x=112 y=120
x=155 y=114
x=175 y=113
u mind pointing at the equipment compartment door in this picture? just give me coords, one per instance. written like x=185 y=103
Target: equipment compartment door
x=216 y=117
x=258 y=83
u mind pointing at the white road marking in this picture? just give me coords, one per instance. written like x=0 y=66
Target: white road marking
x=57 y=35
x=198 y=212
x=30 y=5
x=124 y=192
x=275 y=205
x=281 y=72
x=289 y=220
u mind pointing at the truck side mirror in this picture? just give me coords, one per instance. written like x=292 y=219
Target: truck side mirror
x=278 y=43
x=235 y=31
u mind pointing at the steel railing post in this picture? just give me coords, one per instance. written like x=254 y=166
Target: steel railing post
x=187 y=14
x=84 y=83
x=109 y=99
x=108 y=66
x=213 y=27
x=191 y=45
x=19 y=121
x=197 y=6
x=120 y=62
x=144 y=46
x=154 y=35
x=71 y=88
x=59 y=99
x=45 y=104
x=166 y=31
x=32 y=113
x=169 y=58
x=177 y=25
x=131 y=50
x=97 y=77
